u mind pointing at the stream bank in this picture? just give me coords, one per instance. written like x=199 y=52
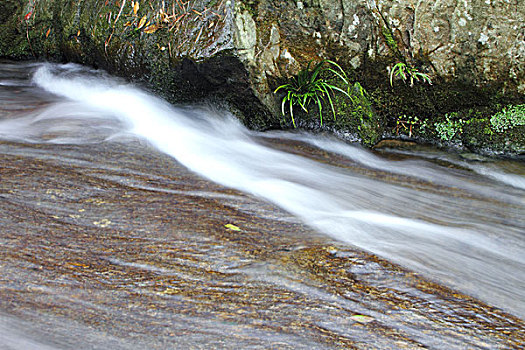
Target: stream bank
x=237 y=52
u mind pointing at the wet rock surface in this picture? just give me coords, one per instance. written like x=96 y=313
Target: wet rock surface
x=139 y=254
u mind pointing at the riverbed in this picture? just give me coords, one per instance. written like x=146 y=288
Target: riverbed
x=128 y=223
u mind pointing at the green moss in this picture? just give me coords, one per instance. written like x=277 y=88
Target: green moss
x=431 y=103
x=484 y=133
x=357 y=116
x=389 y=38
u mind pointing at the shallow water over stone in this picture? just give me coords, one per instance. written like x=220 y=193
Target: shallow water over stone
x=109 y=243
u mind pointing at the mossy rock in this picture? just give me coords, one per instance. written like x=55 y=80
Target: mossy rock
x=478 y=136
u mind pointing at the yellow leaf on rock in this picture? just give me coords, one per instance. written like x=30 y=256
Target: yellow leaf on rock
x=232 y=227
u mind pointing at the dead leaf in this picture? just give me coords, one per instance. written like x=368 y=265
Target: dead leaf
x=151 y=29
x=48 y=31
x=136 y=7
x=142 y=22
x=28 y=16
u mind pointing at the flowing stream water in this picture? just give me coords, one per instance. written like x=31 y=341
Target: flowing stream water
x=130 y=223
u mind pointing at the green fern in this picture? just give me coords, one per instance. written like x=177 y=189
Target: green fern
x=310 y=86
x=406 y=72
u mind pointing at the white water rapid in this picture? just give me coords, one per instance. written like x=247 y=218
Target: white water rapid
x=457 y=225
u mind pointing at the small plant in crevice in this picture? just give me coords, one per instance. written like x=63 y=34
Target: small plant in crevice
x=406 y=72
x=408 y=123
x=509 y=117
x=311 y=86
x=401 y=69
